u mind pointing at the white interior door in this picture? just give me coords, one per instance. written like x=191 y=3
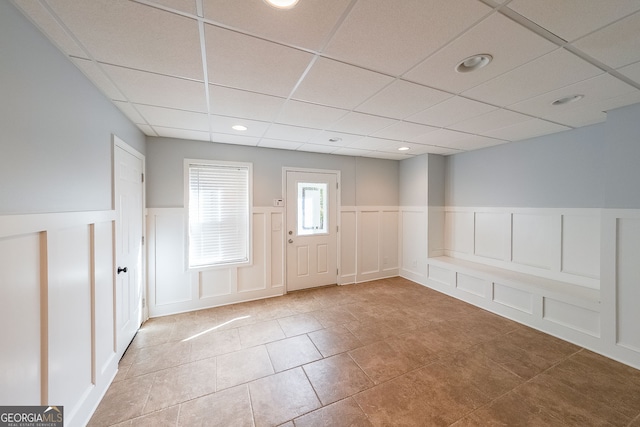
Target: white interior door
x=312 y=229
x=128 y=183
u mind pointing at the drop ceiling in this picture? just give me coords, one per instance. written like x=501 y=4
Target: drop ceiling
x=352 y=77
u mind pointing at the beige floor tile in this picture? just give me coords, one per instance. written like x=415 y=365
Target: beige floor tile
x=214 y=343
x=343 y=413
x=158 y=357
x=230 y=407
x=336 y=377
x=181 y=383
x=281 y=397
x=368 y=332
x=260 y=333
x=570 y=406
x=291 y=352
x=513 y=358
x=124 y=400
x=382 y=361
x=334 y=316
x=550 y=348
x=242 y=366
x=299 y=324
x=334 y=340
x=167 y=417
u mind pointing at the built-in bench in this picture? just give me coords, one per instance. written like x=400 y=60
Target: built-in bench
x=540 y=302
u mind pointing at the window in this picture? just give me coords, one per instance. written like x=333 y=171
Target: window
x=219 y=202
x=312 y=209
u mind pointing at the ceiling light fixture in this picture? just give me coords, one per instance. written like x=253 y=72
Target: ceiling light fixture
x=474 y=63
x=403 y=149
x=241 y=128
x=567 y=100
x=282 y=4
x=335 y=139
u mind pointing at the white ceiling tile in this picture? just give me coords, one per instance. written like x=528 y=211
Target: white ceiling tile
x=441 y=137
x=616 y=45
x=451 y=111
x=223 y=124
x=99 y=78
x=245 y=62
x=188 y=6
x=401 y=99
x=351 y=152
x=130 y=112
x=571 y=19
x=290 y=133
x=632 y=71
x=595 y=90
x=225 y=138
x=336 y=84
x=297 y=113
x=239 y=103
x=552 y=71
x=179 y=119
x=153 y=89
x=493 y=120
x=620 y=101
x=181 y=133
x=48 y=25
x=474 y=142
x=361 y=124
x=443 y=151
x=336 y=139
x=315 y=148
x=139 y=36
x=510 y=44
x=524 y=130
x=370 y=143
x=307 y=25
x=279 y=144
x=394 y=36
x=578 y=117
x=413 y=149
x=388 y=155
x=146 y=129
x=404 y=131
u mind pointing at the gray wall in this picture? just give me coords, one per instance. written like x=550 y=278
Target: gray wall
x=436 y=180
x=364 y=181
x=413 y=181
x=559 y=170
x=56 y=127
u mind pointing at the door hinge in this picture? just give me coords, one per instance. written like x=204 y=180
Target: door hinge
x=143 y=240
x=144 y=302
x=337 y=186
x=142 y=177
x=337 y=228
x=337 y=272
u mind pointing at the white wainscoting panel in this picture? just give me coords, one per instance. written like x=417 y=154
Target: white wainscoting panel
x=514 y=298
x=441 y=275
x=348 y=245
x=458 y=231
x=413 y=242
x=377 y=234
x=536 y=240
x=435 y=229
x=627 y=273
x=492 y=235
x=581 y=245
x=57 y=280
x=472 y=285
x=572 y=316
x=174 y=289
x=21 y=374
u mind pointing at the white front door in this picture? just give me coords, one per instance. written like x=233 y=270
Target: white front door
x=312 y=229
x=128 y=185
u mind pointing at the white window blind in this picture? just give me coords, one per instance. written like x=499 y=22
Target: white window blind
x=219 y=203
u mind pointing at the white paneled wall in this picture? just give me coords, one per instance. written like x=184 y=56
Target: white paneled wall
x=56 y=288
x=368 y=250
x=574 y=273
x=558 y=244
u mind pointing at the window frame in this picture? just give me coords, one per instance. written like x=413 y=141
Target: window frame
x=224 y=164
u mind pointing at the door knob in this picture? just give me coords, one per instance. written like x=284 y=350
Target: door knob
x=290 y=232
x=122 y=270
x=290 y=240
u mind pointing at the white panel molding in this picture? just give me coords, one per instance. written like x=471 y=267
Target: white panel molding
x=376 y=229
x=69 y=313
x=348 y=237
x=533 y=241
x=413 y=242
x=185 y=290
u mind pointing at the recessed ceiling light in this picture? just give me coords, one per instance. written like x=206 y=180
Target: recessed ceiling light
x=474 y=63
x=403 y=149
x=335 y=139
x=282 y=4
x=241 y=128
x=567 y=100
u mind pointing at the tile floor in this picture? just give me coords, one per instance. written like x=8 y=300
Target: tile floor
x=383 y=353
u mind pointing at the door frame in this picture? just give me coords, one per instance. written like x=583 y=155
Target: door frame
x=285 y=170
x=119 y=143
